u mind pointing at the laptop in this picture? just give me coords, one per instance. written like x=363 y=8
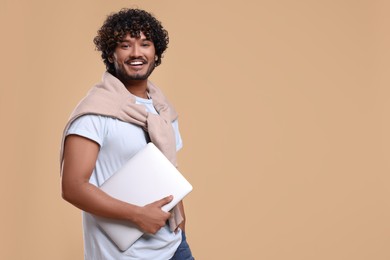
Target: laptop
x=147 y=177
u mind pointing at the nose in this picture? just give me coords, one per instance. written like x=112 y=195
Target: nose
x=135 y=51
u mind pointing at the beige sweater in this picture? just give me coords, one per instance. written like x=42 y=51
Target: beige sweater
x=111 y=98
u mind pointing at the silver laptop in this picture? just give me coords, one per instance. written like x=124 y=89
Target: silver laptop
x=148 y=176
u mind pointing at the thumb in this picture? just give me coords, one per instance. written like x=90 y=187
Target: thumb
x=164 y=201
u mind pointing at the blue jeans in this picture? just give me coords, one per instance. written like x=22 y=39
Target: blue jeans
x=183 y=252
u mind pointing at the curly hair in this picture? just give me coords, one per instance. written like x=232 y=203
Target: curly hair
x=133 y=22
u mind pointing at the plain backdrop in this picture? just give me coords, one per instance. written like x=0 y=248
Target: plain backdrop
x=284 y=112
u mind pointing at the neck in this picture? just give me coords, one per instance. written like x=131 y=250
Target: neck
x=137 y=88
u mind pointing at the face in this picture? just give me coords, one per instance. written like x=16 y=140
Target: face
x=134 y=58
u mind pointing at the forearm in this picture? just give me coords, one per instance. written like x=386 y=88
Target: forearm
x=150 y=218
x=91 y=199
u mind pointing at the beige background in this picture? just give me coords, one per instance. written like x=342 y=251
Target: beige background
x=284 y=111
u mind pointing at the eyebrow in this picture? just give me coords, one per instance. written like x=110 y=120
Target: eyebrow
x=142 y=39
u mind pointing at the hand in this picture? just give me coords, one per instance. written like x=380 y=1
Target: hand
x=152 y=218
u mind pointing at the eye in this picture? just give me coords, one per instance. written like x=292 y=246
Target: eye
x=125 y=45
x=146 y=43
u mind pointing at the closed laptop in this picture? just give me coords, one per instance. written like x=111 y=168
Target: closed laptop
x=147 y=177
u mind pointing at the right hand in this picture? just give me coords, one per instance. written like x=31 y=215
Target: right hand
x=152 y=218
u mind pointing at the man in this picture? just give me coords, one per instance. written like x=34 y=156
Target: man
x=116 y=119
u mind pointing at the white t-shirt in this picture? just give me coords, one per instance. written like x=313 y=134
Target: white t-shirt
x=118 y=142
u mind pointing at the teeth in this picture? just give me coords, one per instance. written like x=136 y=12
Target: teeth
x=136 y=63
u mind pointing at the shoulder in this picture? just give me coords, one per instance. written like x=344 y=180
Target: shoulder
x=91 y=126
x=89 y=120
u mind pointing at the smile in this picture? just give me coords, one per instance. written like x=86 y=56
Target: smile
x=135 y=63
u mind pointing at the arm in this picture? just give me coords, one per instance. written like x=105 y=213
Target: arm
x=80 y=156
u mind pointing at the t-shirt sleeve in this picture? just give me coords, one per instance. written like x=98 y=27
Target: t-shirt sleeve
x=179 y=141
x=89 y=126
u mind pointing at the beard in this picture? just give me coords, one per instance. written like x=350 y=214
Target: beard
x=126 y=77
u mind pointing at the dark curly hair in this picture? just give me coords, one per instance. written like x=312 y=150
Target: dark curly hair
x=133 y=22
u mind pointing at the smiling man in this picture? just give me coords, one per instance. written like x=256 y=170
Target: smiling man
x=116 y=119
x=133 y=59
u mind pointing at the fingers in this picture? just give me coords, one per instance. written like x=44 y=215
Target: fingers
x=154 y=228
x=152 y=217
x=164 y=201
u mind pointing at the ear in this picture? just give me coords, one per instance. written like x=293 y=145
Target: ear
x=110 y=59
